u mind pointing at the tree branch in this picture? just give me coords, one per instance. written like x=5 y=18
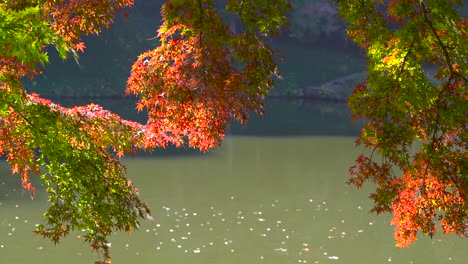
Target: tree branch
x=441 y=44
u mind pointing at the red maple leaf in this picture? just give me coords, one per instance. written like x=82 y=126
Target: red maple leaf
x=80 y=46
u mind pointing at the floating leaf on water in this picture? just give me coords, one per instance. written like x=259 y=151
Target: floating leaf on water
x=281 y=249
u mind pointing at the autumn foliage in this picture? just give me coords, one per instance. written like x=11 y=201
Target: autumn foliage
x=415 y=104
x=203 y=74
x=200 y=77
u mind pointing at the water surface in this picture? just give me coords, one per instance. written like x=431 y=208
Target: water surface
x=263 y=197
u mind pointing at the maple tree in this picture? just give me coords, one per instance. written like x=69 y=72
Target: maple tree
x=416 y=129
x=200 y=76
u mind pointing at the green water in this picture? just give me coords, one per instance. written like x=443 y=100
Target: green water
x=257 y=199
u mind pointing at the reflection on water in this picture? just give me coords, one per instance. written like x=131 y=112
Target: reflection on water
x=255 y=200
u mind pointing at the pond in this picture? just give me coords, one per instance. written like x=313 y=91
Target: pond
x=275 y=192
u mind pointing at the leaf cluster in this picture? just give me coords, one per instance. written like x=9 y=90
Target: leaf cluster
x=24 y=34
x=200 y=77
x=416 y=128
x=76 y=151
x=203 y=73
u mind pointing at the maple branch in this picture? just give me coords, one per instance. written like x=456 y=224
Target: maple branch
x=441 y=44
x=24 y=117
x=402 y=67
x=200 y=5
x=241 y=10
x=387 y=96
x=30 y=123
x=438 y=111
x=452 y=71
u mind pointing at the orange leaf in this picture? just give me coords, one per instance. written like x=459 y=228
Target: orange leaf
x=15 y=168
x=140 y=106
x=80 y=46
